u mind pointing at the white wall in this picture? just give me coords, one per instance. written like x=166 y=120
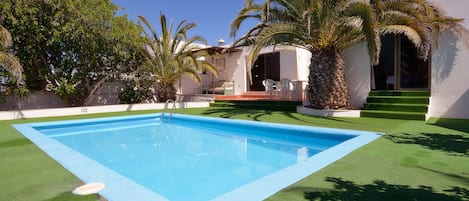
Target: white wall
x=239 y=74
x=108 y=94
x=358 y=76
x=232 y=72
x=189 y=86
x=303 y=58
x=288 y=64
x=294 y=64
x=35 y=100
x=450 y=68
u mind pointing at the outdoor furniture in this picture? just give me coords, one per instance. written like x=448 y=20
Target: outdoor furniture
x=221 y=87
x=286 y=86
x=270 y=87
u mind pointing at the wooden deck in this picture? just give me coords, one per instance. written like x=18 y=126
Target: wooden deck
x=250 y=95
x=259 y=95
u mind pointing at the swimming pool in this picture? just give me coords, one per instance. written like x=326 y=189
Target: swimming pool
x=142 y=157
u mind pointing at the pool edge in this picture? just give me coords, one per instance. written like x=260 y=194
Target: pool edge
x=256 y=190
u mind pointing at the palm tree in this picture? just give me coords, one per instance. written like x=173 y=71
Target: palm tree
x=168 y=59
x=328 y=27
x=7 y=59
x=324 y=27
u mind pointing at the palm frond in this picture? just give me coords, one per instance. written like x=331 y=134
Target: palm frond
x=170 y=57
x=411 y=33
x=250 y=11
x=369 y=27
x=153 y=33
x=7 y=59
x=272 y=35
x=12 y=65
x=5 y=38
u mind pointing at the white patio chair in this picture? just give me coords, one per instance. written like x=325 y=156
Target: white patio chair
x=270 y=87
x=286 y=86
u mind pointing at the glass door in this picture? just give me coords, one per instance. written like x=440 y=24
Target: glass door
x=399 y=66
x=413 y=71
x=267 y=66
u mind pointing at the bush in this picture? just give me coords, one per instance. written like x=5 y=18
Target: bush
x=134 y=94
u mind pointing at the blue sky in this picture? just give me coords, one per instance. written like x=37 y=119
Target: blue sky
x=213 y=17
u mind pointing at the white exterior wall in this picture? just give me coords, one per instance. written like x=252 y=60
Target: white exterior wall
x=288 y=64
x=303 y=59
x=234 y=71
x=449 y=71
x=238 y=73
x=236 y=65
x=294 y=63
x=450 y=68
x=189 y=86
x=358 y=74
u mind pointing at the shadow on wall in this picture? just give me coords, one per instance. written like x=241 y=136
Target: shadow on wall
x=357 y=74
x=380 y=190
x=443 y=58
x=107 y=94
x=35 y=100
x=460 y=108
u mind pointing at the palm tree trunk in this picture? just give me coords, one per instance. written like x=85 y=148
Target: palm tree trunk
x=327 y=85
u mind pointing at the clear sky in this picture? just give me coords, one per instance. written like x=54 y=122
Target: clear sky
x=213 y=17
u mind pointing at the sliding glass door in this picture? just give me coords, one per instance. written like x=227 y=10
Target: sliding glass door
x=399 y=66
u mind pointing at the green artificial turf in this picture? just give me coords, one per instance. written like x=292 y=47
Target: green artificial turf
x=415 y=160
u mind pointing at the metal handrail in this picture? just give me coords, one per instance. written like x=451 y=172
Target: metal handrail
x=172 y=109
x=178 y=98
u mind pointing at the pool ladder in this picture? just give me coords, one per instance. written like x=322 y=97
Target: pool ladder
x=178 y=98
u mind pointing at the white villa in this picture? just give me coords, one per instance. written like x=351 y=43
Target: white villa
x=444 y=75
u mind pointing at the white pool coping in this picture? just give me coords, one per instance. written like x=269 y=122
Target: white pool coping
x=120 y=188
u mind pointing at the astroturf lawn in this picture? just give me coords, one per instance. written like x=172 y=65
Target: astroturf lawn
x=415 y=160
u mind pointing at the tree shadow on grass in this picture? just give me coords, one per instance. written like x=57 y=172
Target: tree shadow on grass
x=380 y=190
x=451 y=143
x=453 y=176
x=256 y=114
x=230 y=112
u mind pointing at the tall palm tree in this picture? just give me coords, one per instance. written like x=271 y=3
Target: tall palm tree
x=169 y=58
x=7 y=59
x=324 y=27
x=328 y=27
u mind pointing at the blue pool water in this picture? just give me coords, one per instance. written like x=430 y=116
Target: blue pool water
x=195 y=158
